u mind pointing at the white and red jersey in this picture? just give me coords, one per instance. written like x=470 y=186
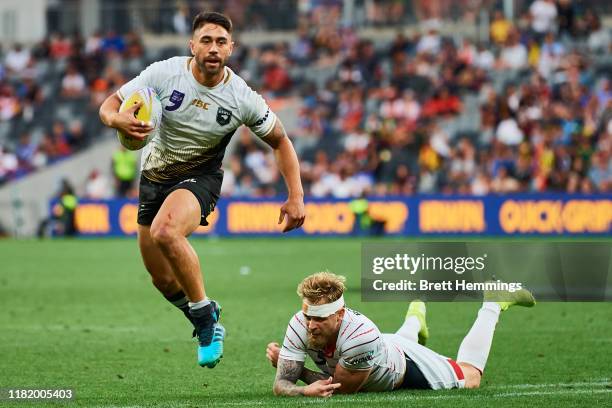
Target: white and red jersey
x=360 y=346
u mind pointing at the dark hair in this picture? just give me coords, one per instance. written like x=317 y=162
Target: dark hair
x=214 y=18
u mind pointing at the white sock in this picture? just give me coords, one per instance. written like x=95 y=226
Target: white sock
x=199 y=305
x=410 y=329
x=476 y=345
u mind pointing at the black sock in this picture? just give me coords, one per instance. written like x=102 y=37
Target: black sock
x=202 y=317
x=179 y=299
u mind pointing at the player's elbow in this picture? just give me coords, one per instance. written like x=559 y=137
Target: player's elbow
x=277 y=389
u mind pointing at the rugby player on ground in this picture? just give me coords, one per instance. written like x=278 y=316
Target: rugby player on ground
x=353 y=355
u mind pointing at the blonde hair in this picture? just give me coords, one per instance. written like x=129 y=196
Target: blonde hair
x=324 y=286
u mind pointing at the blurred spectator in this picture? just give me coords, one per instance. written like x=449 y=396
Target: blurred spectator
x=8 y=164
x=180 y=20
x=601 y=172
x=442 y=103
x=566 y=17
x=62 y=220
x=60 y=46
x=73 y=83
x=500 y=28
x=513 y=54
x=77 y=139
x=276 y=79
x=503 y=183
x=125 y=171
x=97 y=186
x=93 y=44
x=543 y=15
x=17 y=59
x=9 y=103
x=113 y=42
x=26 y=151
x=60 y=141
x=431 y=41
x=599 y=38
x=484 y=58
x=551 y=54
x=508 y=132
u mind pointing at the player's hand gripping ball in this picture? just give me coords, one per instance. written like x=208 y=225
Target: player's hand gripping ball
x=149 y=112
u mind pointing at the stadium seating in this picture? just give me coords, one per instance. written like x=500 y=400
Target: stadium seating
x=453 y=118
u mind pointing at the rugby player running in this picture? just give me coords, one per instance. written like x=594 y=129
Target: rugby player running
x=204 y=102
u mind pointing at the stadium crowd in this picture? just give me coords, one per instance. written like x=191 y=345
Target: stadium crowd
x=528 y=110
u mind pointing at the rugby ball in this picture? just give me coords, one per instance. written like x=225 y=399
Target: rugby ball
x=150 y=111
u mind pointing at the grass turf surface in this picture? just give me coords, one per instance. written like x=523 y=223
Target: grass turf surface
x=83 y=314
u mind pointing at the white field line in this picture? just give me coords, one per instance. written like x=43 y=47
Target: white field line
x=411 y=398
x=430 y=397
x=594 y=383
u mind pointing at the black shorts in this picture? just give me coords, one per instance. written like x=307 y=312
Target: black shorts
x=413 y=377
x=151 y=196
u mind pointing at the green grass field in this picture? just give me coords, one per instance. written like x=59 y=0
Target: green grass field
x=83 y=314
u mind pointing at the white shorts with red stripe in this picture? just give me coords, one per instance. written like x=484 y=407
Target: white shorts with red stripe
x=441 y=372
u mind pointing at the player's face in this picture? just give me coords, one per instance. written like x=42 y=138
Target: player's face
x=322 y=330
x=211 y=46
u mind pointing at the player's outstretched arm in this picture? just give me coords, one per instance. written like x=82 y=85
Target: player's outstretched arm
x=287 y=374
x=123 y=121
x=290 y=169
x=351 y=380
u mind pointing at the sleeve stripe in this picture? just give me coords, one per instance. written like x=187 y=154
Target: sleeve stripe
x=298 y=336
x=271 y=127
x=361 y=334
x=347 y=326
x=299 y=321
x=358 y=327
x=119 y=95
x=359 y=345
x=292 y=343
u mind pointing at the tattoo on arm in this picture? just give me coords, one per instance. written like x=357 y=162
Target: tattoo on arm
x=287 y=374
x=310 y=376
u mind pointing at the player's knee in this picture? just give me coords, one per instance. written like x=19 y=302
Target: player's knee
x=163 y=234
x=473 y=380
x=472 y=375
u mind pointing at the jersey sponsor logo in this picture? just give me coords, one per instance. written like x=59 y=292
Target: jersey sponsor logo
x=262 y=120
x=191 y=180
x=356 y=361
x=200 y=104
x=223 y=116
x=176 y=99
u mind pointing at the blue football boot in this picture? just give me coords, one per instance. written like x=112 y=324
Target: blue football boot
x=210 y=334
